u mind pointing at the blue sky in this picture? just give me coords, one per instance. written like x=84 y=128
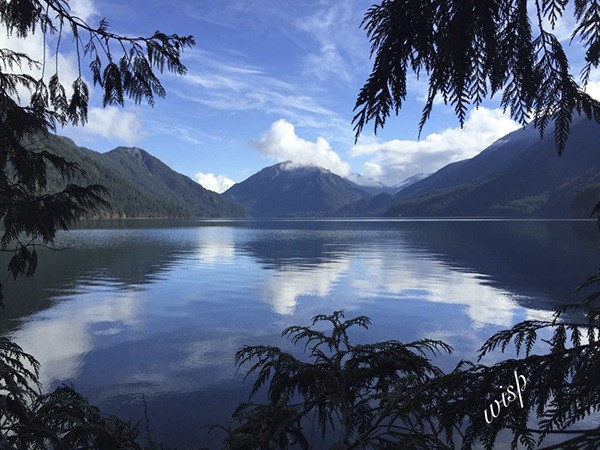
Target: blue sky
x=268 y=81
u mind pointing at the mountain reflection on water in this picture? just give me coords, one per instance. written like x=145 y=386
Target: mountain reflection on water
x=158 y=309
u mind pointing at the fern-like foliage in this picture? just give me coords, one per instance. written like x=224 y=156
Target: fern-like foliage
x=471 y=50
x=62 y=419
x=341 y=390
x=560 y=386
x=390 y=395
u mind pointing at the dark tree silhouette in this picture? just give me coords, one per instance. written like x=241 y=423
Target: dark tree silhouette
x=342 y=391
x=390 y=395
x=471 y=50
x=30 y=108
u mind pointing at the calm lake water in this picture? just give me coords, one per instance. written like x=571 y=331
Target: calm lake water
x=158 y=309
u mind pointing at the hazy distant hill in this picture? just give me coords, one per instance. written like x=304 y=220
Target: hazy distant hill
x=140 y=185
x=518 y=176
x=370 y=185
x=285 y=189
x=380 y=202
x=410 y=181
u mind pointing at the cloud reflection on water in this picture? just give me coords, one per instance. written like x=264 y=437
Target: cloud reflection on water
x=404 y=274
x=283 y=288
x=61 y=336
x=162 y=311
x=215 y=245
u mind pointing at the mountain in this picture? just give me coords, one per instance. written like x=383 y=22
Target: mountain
x=520 y=175
x=141 y=185
x=286 y=189
x=409 y=181
x=379 y=203
x=370 y=185
x=376 y=205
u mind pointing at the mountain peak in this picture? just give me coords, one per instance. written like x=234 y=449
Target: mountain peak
x=291 y=168
x=139 y=156
x=134 y=152
x=364 y=181
x=289 y=188
x=410 y=181
x=292 y=165
x=142 y=186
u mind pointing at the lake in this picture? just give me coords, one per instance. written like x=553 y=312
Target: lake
x=156 y=309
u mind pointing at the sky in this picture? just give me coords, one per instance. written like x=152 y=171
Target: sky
x=269 y=81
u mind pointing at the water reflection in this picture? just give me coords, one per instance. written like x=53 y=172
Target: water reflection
x=160 y=311
x=282 y=289
x=216 y=245
x=60 y=337
x=401 y=275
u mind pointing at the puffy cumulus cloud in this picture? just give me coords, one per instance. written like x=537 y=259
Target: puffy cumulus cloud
x=110 y=122
x=35 y=46
x=84 y=9
x=212 y=182
x=397 y=160
x=281 y=143
x=113 y=123
x=372 y=170
x=32 y=45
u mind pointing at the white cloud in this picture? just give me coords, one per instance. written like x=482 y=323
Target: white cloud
x=593 y=88
x=113 y=123
x=327 y=63
x=84 y=9
x=281 y=143
x=432 y=280
x=233 y=89
x=109 y=122
x=593 y=85
x=419 y=87
x=372 y=170
x=212 y=182
x=215 y=246
x=398 y=159
x=33 y=46
x=565 y=24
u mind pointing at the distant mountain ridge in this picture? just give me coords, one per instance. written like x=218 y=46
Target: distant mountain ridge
x=287 y=189
x=380 y=202
x=370 y=185
x=520 y=175
x=409 y=181
x=140 y=185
